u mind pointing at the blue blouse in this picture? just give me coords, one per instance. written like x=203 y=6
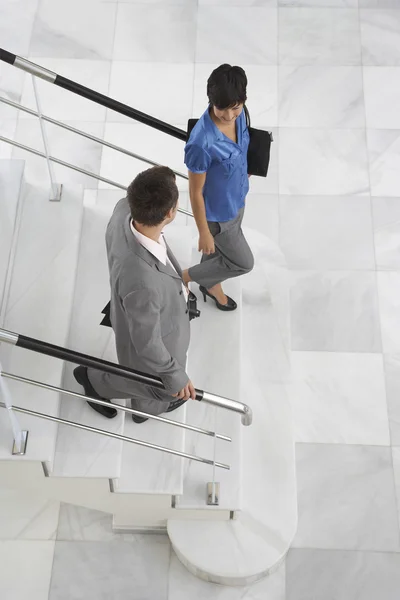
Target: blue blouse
x=225 y=162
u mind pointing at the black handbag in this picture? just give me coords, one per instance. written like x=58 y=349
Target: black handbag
x=258 y=154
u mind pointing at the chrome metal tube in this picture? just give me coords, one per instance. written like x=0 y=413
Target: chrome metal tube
x=86 y=135
x=8 y=336
x=116 y=436
x=34 y=69
x=244 y=410
x=74 y=168
x=53 y=388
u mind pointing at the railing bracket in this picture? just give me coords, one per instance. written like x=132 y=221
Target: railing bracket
x=213 y=489
x=20 y=449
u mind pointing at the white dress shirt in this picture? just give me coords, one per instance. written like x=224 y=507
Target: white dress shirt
x=158 y=250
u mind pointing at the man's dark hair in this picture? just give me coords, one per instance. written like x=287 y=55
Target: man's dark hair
x=151 y=195
x=226 y=87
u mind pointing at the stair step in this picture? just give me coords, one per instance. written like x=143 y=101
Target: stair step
x=39 y=305
x=81 y=453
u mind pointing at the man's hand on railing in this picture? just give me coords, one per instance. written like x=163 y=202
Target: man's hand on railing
x=187 y=392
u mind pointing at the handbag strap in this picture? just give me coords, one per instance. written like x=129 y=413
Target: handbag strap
x=247 y=115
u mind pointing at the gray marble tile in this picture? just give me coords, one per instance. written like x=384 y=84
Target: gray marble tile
x=384 y=161
x=327 y=232
x=27 y=516
x=183 y=585
x=333 y=575
x=58 y=32
x=392 y=373
x=324 y=36
x=346 y=498
x=382 y=97
x=323 y=161
x=16 y=23
x=77 y=523
x=389 y=307
x=320 y=96
x=136 y=570
x=380 y=31
x=25 y=569
x=219 y=31
x=155 y=33
x=339 y=398
x=386 y=220
x=335 y=311
x=262 y=214
x=11 y=84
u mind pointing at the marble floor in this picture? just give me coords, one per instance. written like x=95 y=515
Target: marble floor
x=324 y=76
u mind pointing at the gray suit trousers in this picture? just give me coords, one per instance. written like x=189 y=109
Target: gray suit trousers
x=143 y=398
x=232 y=256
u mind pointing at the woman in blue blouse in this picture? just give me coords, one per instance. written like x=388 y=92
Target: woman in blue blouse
x=216 y=156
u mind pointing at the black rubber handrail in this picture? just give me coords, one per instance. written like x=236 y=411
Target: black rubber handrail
x=85 y=92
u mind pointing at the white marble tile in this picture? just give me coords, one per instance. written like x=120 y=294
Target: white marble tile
x=262 y=214
x=155 y=33
x=346 y=498
x=261 y=92
x=386 y=219
x=324 y=36
x=382 y=96
x=319 y=3
x=267 y=3
x=340 y=575
x=392 y=373
x=389 y=305
x=384 y=161
x=174 y=106
x=64 y=105
x=339 y=398
x=27 y=516
x=396 y=468
x=64 y=145
x=335 y=311
x=323 y=161
x=221 y=33
x=137 y=570
x=16 y=23
x=379 y=3
x=320 y=96
x=11 y=84
x=380 y=31
x=183 y=585
x=58 y=32
x=26 y=569
x=146 y=142
x=327 y=232
x=77 y=523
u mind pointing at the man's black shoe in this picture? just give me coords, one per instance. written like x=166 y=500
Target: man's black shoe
x=137 y=419
x=80 y=374
x=174 y=405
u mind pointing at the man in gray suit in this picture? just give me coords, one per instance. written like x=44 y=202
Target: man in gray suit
x=148 y=312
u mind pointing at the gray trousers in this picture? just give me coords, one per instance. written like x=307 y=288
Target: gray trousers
x=143 y=398
x=232 y=256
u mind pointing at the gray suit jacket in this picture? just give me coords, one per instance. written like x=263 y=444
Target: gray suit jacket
x=148 y=311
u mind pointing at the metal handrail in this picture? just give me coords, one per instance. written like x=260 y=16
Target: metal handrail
x=58 y=161
x=116 y=436
x=41 y=347
x=86 y=135
x=89 y=94
x=139 y=413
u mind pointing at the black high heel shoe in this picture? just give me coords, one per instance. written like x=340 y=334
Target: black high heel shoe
x=230 y=305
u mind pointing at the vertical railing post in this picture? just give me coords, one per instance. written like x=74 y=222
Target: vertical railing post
x=56 y=189
x=213 y=487
x=20 y=437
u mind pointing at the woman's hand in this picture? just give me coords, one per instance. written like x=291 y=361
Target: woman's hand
x=206 y=243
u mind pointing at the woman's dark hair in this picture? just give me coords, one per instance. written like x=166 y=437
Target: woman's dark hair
x=226 y=86
x=151 y=195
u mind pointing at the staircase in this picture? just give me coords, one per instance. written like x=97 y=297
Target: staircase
x=53 y=286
